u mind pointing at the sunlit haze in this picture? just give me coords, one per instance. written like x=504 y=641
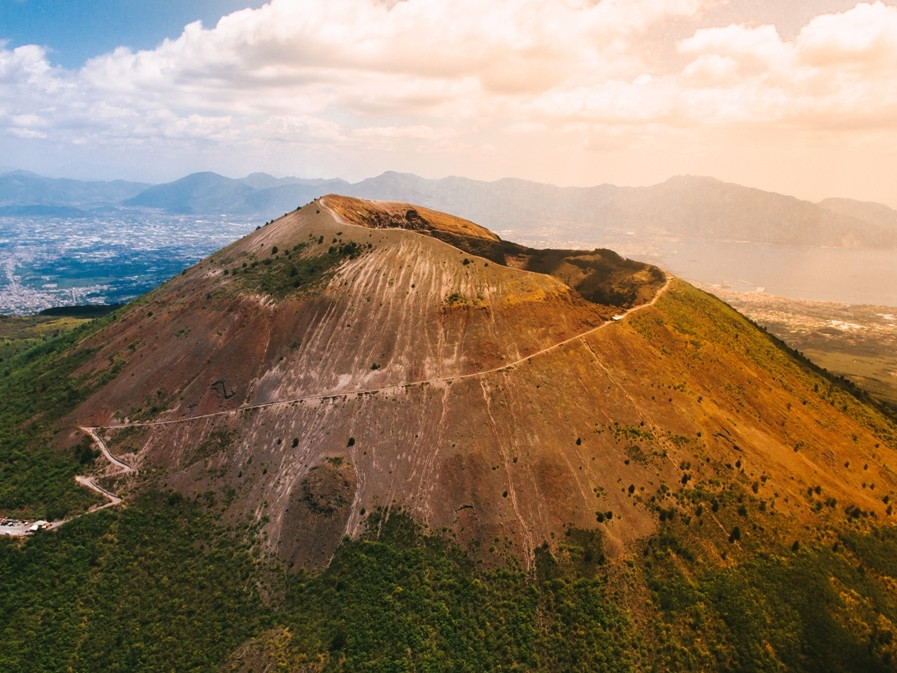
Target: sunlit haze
x=799 y=98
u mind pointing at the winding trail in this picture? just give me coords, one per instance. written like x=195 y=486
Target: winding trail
x=373 y=391
x=88 y=482
x=92 y=432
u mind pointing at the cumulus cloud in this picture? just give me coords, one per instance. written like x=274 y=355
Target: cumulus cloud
x=864 y=39
x=356 y=76
x=363 y=64
x=749 y=45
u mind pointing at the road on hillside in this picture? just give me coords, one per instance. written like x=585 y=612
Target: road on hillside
x=88 y=482
x=124 y=467
x=393 y=387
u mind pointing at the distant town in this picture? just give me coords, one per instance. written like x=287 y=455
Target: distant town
x=103 y=258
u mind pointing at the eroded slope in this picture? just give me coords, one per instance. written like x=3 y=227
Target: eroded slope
x=318 y=371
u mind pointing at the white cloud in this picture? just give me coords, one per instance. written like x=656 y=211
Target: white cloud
x=865 y=39
x=410 y=79
x=712 y=70
x=750 y=45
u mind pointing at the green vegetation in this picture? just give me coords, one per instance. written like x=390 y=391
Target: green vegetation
x=409 y=601
x=162 y=585
x=217 y=441
x=299 y=269
x=458 y=300
x=151 y=587
x=684 y=311
x=854 y=341
x=38 y=386
x=19 y=333
x=809 y=608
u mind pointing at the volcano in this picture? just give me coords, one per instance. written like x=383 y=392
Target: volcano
x=356 y=358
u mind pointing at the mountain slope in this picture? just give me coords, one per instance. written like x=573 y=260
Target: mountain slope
x=527 y=479
x=866 y=211
x=320 y=370
x=212 y=193
x=195 y=193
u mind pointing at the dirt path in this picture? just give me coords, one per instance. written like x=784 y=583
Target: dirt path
x=373 y=391
x=336 y=216
x=92 y=432
x=88 y=482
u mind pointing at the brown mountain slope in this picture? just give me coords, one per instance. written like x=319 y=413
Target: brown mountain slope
x=601 y=276
x=318 y=370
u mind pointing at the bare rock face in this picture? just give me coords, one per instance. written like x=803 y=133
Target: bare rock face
x=357 y=357
x=317 y=509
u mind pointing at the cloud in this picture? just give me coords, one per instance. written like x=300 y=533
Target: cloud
x=865 y=39
x=837 y=72
x=746 y=45
x=410 y=79
x=712 y=70
x=345 y=62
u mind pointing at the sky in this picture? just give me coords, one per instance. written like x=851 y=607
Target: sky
x=794 y=97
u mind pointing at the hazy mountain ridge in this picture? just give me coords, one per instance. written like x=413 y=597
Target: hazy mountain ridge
x=22 y=188
x=867 y=211
x=683 y=206
x=699 y=228
x=208 y=192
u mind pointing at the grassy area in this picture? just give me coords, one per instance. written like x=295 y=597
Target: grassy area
x=19 y=333
x=800 y=608
x=38 y=386
x=875 y=373
x=856 y=342
x=302 y=268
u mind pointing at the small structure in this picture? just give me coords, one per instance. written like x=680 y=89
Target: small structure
x=619 y=316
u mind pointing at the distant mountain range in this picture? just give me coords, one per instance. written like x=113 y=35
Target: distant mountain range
x=22 y=188
x=700 y=228
x=682 y=207
x=258 y=193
